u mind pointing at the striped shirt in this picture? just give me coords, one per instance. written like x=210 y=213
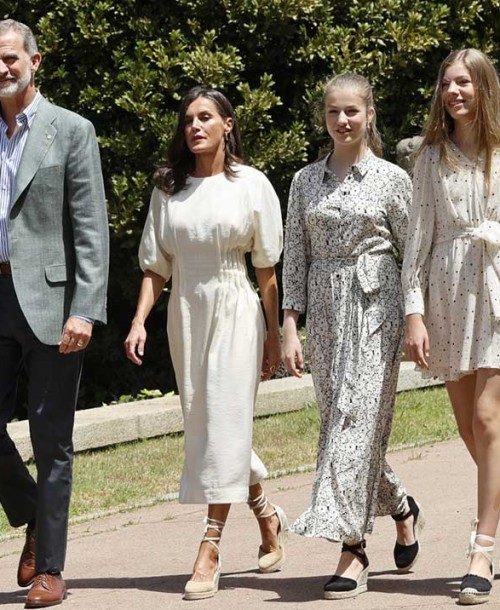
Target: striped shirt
x=11 y=150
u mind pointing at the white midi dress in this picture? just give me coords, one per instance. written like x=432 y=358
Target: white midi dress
x=215 y=324
x=339 y=267
x=451 y=271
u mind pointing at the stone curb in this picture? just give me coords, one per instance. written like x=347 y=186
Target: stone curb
x=121 y=423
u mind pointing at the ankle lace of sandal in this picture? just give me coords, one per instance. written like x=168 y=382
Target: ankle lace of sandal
x=476 y=589
x=213 y=524
x=260 y=506
x=274 y=560
x=486 y=551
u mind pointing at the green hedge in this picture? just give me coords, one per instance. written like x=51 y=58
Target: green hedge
x=125 y=64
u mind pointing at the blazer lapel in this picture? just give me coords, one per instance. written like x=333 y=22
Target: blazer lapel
x=40 y=139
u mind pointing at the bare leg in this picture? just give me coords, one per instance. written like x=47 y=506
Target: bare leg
x=206 y=561
x=462 y=397
x=268 y=526
x=486 y=426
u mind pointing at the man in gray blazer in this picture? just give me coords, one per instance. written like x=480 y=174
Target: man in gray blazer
x=53 y=280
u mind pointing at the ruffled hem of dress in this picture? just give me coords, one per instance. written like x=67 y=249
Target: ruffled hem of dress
x=452 y=375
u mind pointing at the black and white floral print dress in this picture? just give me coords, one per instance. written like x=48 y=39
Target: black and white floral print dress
x=339 y=267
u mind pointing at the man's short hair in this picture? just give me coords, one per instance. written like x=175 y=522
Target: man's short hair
x=30 y=46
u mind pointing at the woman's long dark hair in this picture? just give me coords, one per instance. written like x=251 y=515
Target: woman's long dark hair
x=172 y=177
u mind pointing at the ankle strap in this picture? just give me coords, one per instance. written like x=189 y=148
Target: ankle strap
x=402 y=516
x=260 y=506
x=355 y=549
x=486 y=551
x=213 y=524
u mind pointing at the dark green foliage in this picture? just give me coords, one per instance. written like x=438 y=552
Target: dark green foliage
x=125 y=64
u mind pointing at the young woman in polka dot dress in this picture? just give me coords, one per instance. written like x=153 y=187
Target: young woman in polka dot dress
x=451 y=278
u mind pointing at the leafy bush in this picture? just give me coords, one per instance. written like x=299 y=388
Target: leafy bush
x=125 y=64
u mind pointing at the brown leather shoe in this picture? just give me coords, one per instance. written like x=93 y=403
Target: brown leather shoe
x=47 y=590
x=26 y=569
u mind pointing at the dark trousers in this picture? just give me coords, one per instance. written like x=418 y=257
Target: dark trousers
x=53 y=381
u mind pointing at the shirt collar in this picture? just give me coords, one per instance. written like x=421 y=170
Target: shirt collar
x=30 y=111
x=364 y=164
x=27 y=116
x=360 y=168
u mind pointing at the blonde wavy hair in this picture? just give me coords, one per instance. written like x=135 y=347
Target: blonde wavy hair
x=359 y=84
x=486 y=120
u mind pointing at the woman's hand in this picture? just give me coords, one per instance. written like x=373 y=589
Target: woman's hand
x=268 y=288
x=291 y=351
x=151 y=286
x=271 y=357
x=417 y=340
x=291 y=355
x=134 y=343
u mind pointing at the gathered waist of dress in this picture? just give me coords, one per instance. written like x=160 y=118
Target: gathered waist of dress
x=210 y=271
x=197 y=263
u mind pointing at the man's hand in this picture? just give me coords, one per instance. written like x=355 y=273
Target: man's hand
x=76 y=335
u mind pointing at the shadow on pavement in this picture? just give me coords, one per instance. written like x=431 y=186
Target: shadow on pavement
x=14 y=597
x=292 y=590
x=161 y=584
x=447 y=587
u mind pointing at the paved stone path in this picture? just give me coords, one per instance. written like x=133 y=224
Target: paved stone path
x=142 y=559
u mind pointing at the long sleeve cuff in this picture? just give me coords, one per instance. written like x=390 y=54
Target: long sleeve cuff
x=295 y=304
x=414 y=302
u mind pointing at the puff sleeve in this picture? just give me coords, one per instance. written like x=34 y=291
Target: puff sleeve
x=152 y=254
x=415 y=273
x=268 y=226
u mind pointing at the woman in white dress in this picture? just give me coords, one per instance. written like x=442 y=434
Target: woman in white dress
x=451 y=278
x=207 y=210
x=347 y=215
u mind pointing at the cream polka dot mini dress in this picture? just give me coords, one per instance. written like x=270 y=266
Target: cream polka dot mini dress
x=451 y=271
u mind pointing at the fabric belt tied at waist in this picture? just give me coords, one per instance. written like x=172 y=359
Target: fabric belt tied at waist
x=369 y=268
x=489 y=233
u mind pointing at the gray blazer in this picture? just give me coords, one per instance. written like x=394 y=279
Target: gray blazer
x=58 y=229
